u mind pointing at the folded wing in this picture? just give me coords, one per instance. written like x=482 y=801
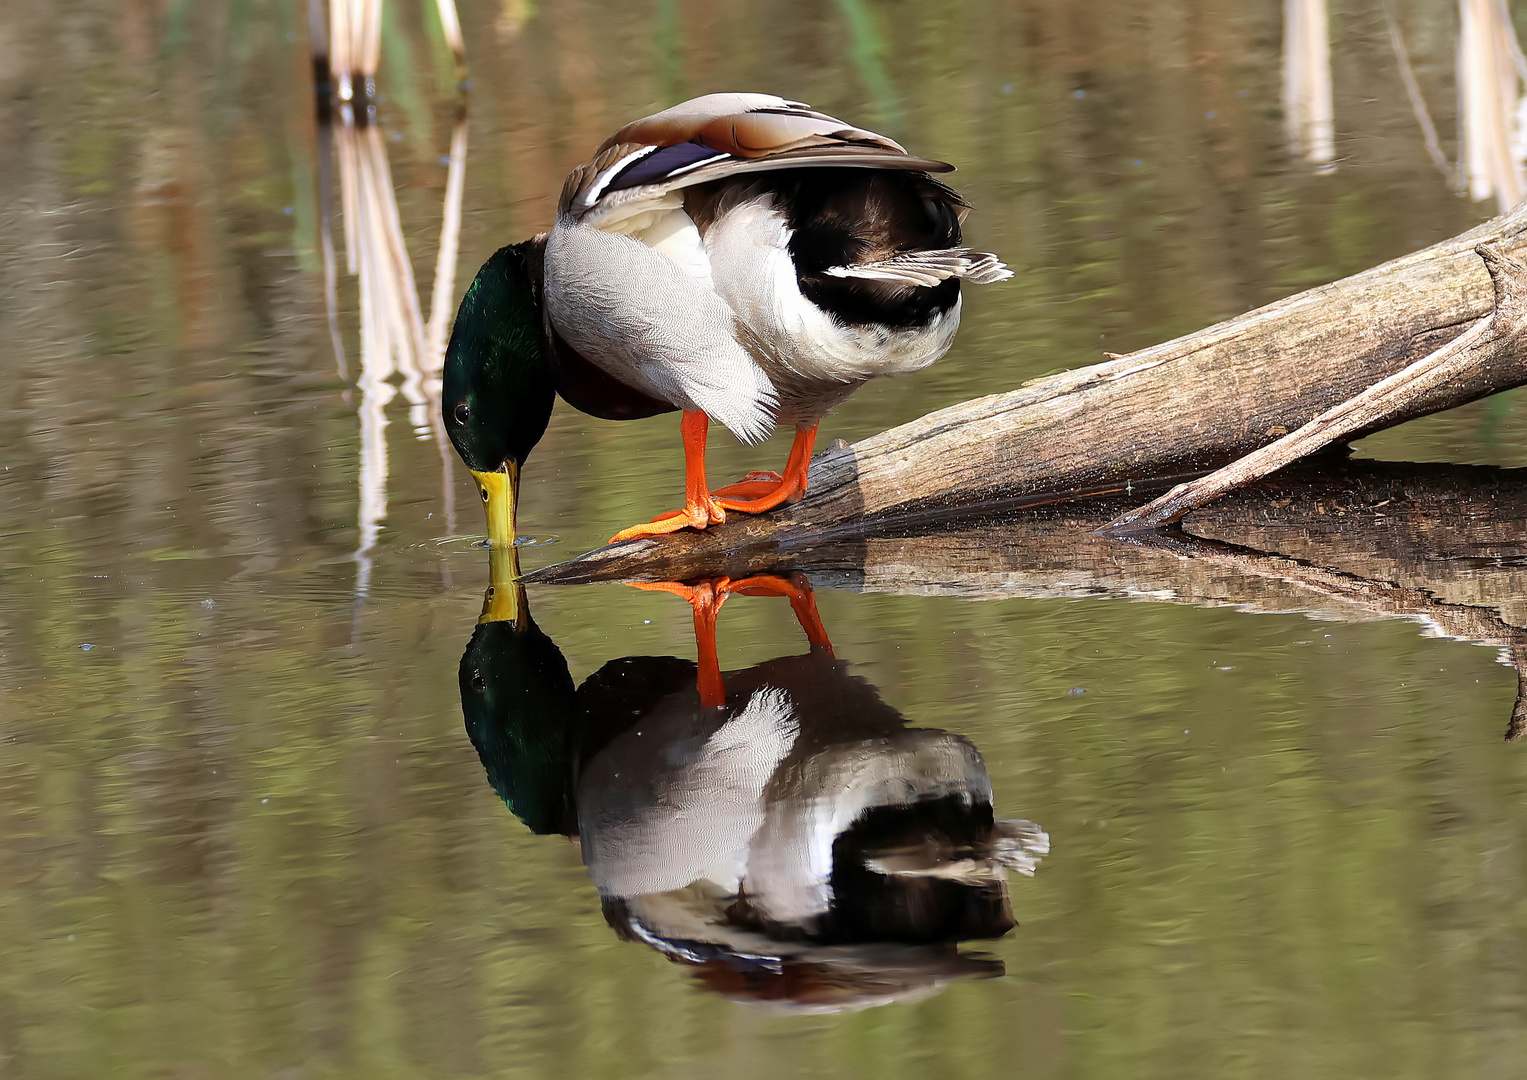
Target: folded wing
x=717 y=136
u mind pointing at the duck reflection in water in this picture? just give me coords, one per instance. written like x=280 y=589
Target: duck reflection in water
x=782 y=829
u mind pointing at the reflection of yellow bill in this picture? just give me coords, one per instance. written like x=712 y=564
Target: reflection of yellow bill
x=505 y=598
x=500 y=493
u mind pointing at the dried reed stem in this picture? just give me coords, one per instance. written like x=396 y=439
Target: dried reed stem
x=394 y=337
x=355 y=46
x=450 y=23
x=341 y=57
x=443 y=293
x=370 y=37
x=350 y=47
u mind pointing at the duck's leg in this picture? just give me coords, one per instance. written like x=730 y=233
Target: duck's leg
x=706 y=598
x=754 y=495
x=757 y=483
x=700 y=508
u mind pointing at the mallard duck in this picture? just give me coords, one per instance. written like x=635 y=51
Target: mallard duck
x=739 y=257
x=782 y=828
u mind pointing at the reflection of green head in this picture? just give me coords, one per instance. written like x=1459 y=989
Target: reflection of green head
x=517 y=698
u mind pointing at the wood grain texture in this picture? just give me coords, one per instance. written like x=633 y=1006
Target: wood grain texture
x=1489 y=356
x=1458 y=532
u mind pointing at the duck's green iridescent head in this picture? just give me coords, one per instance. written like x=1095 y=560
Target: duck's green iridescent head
x=498 y=385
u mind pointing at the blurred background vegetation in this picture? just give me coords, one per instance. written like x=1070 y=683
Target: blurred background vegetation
x=241 y=830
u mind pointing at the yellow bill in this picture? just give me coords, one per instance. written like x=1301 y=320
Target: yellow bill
x=500 y=493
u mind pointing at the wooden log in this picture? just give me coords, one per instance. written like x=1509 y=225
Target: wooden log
x=1489 y=355
x=1169 y=412
x=1184 y=407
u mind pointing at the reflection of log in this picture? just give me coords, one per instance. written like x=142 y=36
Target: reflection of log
x=1457 y=531
x=1385 y=599
x=1441 y=544
x=1185 y=407
x=1518 y=726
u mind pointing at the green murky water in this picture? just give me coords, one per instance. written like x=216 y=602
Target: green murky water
x=243 y=831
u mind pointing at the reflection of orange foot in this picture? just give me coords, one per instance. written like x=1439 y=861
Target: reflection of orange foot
x=707 y=594
x=802 y=602
x=706 y=597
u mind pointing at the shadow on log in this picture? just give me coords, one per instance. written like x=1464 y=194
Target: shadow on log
x=1443 y=545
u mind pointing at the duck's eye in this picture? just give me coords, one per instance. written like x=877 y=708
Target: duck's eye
x=478 y=683
x=463 y=413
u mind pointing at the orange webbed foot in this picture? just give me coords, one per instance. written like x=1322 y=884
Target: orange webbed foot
x=762 y=496
x=705 y=596
x=701 y=509
x=754 y=485
x=699 y=514
x=754 y=495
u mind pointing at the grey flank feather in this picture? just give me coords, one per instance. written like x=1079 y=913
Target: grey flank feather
x=636 y=313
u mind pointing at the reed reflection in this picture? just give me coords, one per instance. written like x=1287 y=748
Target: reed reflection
x=781 y=829
x=400 y=351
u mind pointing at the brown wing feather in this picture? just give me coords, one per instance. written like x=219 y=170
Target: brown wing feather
x=681 y=122
x=759 y=134
x=771 y=134
x=656 y=131
x=748 y=134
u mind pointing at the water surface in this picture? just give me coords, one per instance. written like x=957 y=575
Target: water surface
x=243 y=830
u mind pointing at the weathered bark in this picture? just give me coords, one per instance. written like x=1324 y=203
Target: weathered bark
x=1477 y=362
x=1351 y=540
x=1172 y=411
